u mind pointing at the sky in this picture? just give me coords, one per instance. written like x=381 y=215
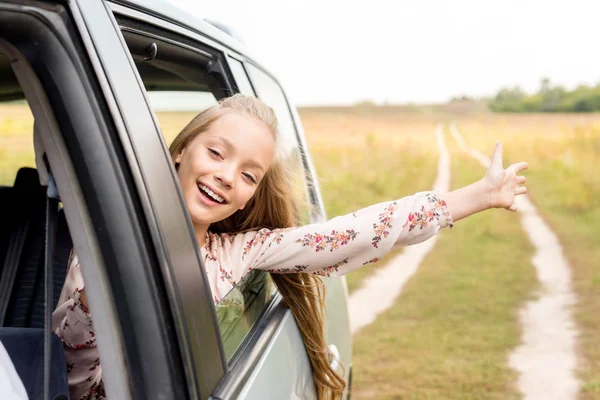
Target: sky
x=339 y=52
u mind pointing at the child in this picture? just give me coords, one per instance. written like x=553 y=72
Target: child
x=236 y=187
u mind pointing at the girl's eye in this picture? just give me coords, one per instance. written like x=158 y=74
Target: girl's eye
x=215 y=153
x=249 y=177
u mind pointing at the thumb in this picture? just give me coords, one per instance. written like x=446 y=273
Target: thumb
x=497 y=156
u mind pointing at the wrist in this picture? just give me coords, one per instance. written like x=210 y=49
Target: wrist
x=484 y=194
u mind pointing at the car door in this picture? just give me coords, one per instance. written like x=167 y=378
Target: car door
x=262 y=338
x=159 y=334
x=90 y=141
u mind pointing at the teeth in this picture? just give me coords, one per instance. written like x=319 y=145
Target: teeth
x=211 y=193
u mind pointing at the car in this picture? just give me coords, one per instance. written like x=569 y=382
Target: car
x=102 y=80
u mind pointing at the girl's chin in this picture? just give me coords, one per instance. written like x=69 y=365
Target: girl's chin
x=202 y=217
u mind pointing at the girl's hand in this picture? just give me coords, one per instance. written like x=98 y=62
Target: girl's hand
x=83 y=299
x=502 y=185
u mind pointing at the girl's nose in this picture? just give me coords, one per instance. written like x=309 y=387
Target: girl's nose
x=226 y=177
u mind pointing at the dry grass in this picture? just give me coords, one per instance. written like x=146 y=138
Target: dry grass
x=16 y=141
x=363 y=160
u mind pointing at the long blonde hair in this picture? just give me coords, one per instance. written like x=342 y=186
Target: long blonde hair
x=273 y=206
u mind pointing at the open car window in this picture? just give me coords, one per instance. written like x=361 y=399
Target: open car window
x=181 y=79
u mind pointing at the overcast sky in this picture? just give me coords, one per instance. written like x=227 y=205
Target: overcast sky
x=344 y=51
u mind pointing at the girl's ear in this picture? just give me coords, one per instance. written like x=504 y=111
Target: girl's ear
x=178 y=157
x=243 y=206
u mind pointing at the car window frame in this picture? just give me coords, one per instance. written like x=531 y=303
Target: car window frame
x=239 y=369
x=190 y=303
x=248 y=354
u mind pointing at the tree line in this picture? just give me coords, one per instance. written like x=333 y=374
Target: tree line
x=548 y=99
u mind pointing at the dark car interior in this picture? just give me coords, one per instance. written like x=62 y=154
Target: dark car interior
x=23 y=281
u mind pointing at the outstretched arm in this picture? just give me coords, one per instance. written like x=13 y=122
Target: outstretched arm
x=497 y=189
x=348 y=242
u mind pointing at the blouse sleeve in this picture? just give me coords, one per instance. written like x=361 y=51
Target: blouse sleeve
x=72 y=322
x=344 y=243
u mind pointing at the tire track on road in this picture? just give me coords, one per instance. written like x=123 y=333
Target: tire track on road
x=378 y=292
x=546 y=360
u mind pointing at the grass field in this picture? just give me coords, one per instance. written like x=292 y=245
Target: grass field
x=564 y=182
x=449 y=334
x=360 y=163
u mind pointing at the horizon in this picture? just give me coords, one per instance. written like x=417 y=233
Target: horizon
x=343 y=52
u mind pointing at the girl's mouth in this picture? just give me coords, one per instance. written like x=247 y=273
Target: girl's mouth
x=209 y=195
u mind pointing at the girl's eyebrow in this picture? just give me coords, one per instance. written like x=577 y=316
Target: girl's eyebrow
x=226 y=141
x=229 y=144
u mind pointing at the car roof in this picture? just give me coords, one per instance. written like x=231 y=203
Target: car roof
x=168 y=12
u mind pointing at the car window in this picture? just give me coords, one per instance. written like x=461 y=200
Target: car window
x=178 y=88
x=16 y=139
x=16 y=127
x=174 y=109
x=242 y=83
x=177 y=81
x=271 y=93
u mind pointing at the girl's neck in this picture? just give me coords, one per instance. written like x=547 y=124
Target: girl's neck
x=201 y=234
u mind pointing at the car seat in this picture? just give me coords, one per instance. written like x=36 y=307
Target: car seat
x=22 y=283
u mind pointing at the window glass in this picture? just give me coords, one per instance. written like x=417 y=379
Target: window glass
x=241 y=308
x=270 y=92
x=16 y=139
x=16 y=127
x=242 y=83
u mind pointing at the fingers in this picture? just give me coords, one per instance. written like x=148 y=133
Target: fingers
x=518 y=167
x=520 y=190
x=521 y=180
x=497 y=156
x=512 y=208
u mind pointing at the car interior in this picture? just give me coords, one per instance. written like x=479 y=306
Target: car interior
x=23 y=280
x=33 y=217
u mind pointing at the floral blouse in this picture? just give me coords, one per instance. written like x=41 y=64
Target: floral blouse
x=334 y=248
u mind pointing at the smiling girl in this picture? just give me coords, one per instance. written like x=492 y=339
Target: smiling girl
x=237 y=190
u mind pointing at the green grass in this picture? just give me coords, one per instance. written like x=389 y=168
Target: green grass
x=564 y=182
x=449 y=334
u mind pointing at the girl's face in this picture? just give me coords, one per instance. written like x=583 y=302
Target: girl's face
x=221 y=168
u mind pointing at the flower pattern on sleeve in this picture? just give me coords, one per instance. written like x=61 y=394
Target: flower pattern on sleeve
x=295 y=270
x=261 y=237
x=227 y=276
x=424 y=217
x=371 y=261
x=382 y=229
x=327 y=271
x=332 y=241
